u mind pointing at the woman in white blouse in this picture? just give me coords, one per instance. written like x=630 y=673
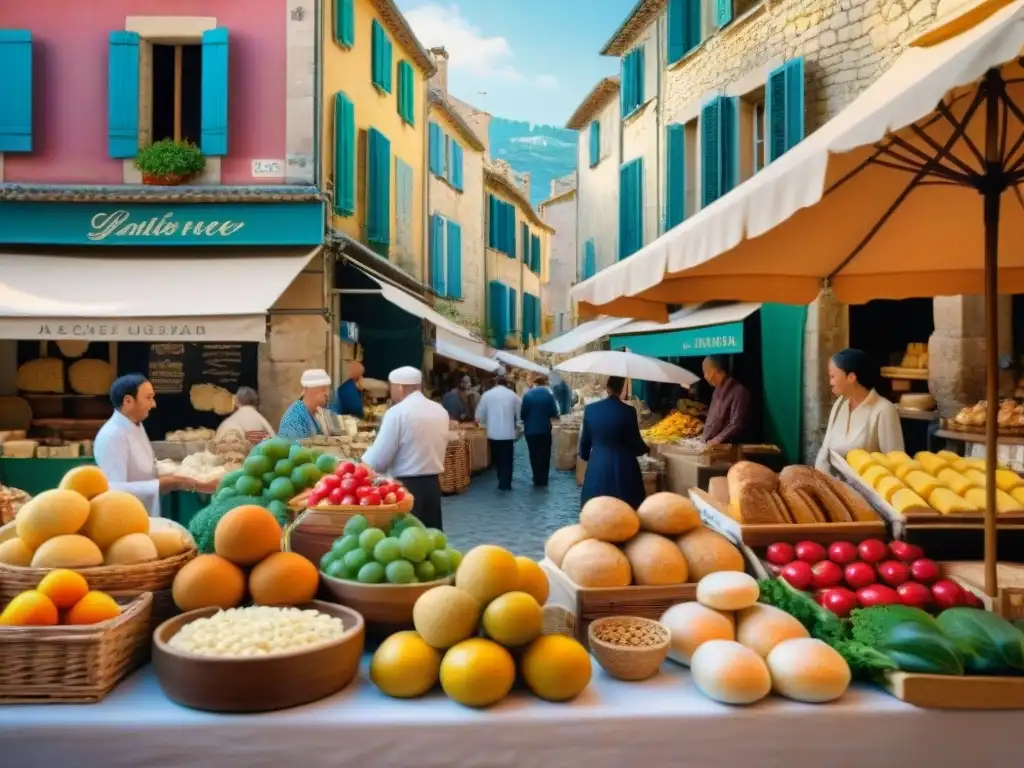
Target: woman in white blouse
x=860 y=418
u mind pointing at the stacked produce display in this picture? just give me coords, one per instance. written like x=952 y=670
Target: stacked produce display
x=674 y=427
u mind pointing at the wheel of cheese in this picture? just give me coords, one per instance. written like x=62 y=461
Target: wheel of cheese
x=727 y=591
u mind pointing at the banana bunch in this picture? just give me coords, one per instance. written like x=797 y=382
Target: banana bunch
x=673 y=427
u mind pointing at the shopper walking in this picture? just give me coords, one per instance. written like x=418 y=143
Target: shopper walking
x=610 y=442
x=499 y=411
x=563 y=395
x=539 y=408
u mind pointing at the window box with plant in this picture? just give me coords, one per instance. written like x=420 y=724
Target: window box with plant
x=169 y=163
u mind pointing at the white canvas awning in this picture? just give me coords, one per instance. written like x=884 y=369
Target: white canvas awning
x=198 y=298
x=516 y=361
x=697 y=316
x=454 y=352
x=581 y=335
x=457 y=336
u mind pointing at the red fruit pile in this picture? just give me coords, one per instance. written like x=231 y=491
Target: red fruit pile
x=848 y=576
x=354 y=485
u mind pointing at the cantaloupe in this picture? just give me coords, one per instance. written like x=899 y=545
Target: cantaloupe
x=609 y=519
x=561 y=540
x=707 y=551
x=246 y=535
x=87 y=480
x=50 y=514
x=208 y=581
x=655 y=560
x=283 y=579
x=445 y=616
x=14 y=551
x=112 y=515
x=68 y=551
x=487 y=571
x=668 y=514
x=132 y=549
x=595 y=563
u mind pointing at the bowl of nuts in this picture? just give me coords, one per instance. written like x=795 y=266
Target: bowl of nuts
x=629 y=647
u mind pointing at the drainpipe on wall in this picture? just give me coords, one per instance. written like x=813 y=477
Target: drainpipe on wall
x=658 y=106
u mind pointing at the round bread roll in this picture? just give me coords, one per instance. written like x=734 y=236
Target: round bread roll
x=731 y=673
x=691 y=625
x=761 y=627
x=727 y=591
x=561 y=540
x=709 y=552
x=655 y=560
x=809 y=670
x=593 y=563
x=609 y=519
x=668 y=514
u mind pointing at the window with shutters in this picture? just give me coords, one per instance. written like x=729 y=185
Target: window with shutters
x=378 y=190
x=691 y=175
x=381 y=51
x=631 y=89
x=719 y=147
x=445 y=257
x=750 y=114
x=454 y=162
x=345 y=155
x=784 y=108
x=759 y=128
x=535 y=257
x=501 y=226
x=498 y=311
x=438 y=157
x=177 y=92
x=406 y=93
x=403 y=247
x=513 y=314
x=686 y=26
x=344 y=23
x=524 y=242
x=15 y=90
x=595 y=142
x=631 y=206
x=675 y=174
x=589 y=260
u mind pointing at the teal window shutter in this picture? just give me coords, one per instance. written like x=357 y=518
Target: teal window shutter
x=589 y=260
x=535 y=253
x=675 y=175
x=693 y=36
x=784 y=108
x=638 y=75
x=454 y=247
x=378 y=188
x=437 y=254
x=730 y=116
x=123 y=95
x=794 y=101
x=676 y=46
x=214 y=130
x=710 y=152
x=595 y=143
x=513 y=297
x=344 y=155
x=524 y=238
x=537 y=330
x=344 y=22
x=406 y=93
x=626 y=95
x=16 y=90
x=492 y=222
x=524 y=332
x=510 y=230
x=436 y=149
x=630 y=208
x=381 y=52
x=456 y=163
x=723 y=12
x=447 y=158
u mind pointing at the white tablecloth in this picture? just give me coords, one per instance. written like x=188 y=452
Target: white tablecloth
x=661 y=722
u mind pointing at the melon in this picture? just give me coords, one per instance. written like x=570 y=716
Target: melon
x=445 y=615
x=208 y=581
x=132 y=549
x=69 y=551
x=709 y=552
x=50 y=514
x=668 y=514
x=169 y=542
x=560 y=541
x=247 y=534
x=87 y=480
x=113 y=515
x=283 y=579
x=487 y=571
x=15 y=552
x=655 y=560
x=609 y=519
x=595 y=563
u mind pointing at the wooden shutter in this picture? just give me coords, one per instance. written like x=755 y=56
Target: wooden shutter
x=378 y=188
x=676 y=47
x=492 y=222
x=381 y=52
x=436 y=149
x=535 y=253
x=453 y=283
x=723 y=12
x=497 y=295
x=775 y=113
x=675 y=175
x=524 y=238
x=510 y=229
x=344 y=23
x=123 y=95
x=403 y=207
x=640 y=74
x=693 y=36
x=388 y=58
x=589 y=260
x=631 y=208
x=536 y=318
x=794 y=102
x=524 y=332
x=730 y=142
x=16 y=90
x=456 y=161
x=595 y=143
x=710 y=152
x=406 y=98
x=214 y=130
x=437 y=254
x=344 y=155
x=626 y=84
x=513 y=297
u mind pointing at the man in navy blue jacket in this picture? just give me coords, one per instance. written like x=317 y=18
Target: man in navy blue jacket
x=539 y=408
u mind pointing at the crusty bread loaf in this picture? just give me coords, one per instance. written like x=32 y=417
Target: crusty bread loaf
x=753 y=493
x=814 y=487
x=757 y=506
x=859 y=509
x=803 y=509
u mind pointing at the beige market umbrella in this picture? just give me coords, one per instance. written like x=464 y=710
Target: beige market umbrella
x=628 y=365
x=913 y=190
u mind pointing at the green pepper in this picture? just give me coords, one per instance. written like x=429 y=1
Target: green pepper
x=915 y=648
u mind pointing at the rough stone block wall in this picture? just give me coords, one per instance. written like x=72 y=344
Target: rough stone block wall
x=562 y=263
x=597 y=195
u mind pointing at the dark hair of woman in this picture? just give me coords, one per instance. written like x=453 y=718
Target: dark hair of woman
x=858 y=363
x=125 y=386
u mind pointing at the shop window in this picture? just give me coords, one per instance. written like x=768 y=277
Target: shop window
x=751 y=127
x=177 y=91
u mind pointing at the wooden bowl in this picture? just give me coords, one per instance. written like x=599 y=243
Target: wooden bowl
x=260 y=684
x=629 y=662
x=385 y=607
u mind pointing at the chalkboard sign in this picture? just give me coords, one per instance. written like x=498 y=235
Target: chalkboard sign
x=166 y=369
x=219 y=364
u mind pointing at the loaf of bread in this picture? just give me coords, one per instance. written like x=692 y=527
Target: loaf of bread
x=801 y=507
x=753 y=494
x=815 y=487
x=858 y=507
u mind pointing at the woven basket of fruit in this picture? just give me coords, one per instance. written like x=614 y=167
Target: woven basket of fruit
x=353 y=488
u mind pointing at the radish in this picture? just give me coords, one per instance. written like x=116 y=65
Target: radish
x=780 y=553
x=810 y=552
x=948 y=594
x=914 y=595
x=905 y=552
x=839 y=600
x=859 y=575
x=893 y=572
x=924 y=570
x=877 y=594
x=842 y=552
x=872 y=551
x=826 y=574
x=798 y=574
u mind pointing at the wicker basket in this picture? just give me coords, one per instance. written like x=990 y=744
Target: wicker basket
x=11 y=500
x=628 y=662
x=315 y=530
x=457 y=467
x=74 y=665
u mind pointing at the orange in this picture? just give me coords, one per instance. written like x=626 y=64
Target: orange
x=63 y=587
x=246 y=535
x=532 y=580
x=93 y=608
x=284 y=578
x=29 y=609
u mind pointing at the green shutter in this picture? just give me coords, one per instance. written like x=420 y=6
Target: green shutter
x=16 y=91
x=381 y=53
x=626 y=96
x=675 y=175
x=775 y=113
x=497 y=294
x=782 y=346
x=122 y=94
x=510 y=230
x=595 y=143
x=456 y=163
x=710 y=152
x=524 y=331
x=723 y=12
x=693 y=14
x=513 y=297
x=639 y=71
x=524 y=238
x=344 y=22
x=630 y=208
x=676 y=47
x=436 y=149
x=378 y=188
x=589 y=260
x=453 y=284
x=794 y=102
x=344 y=155
x=492 y=222
x=437 y=254
x=730 y=116
x=213 y=133
x=535 y=253
x=406 y=93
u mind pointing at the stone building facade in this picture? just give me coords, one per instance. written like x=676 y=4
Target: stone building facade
x=559 y=212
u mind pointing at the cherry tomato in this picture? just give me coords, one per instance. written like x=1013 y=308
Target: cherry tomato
x=385 y=488
x=345 y=468
x=315 y=498
x=390 y=499
x=360 y=473
x=348 y=485
x=335 y=496
x=400 y=495
x=364 y=490
x=349 y=501
x=329 y=481
x=373 y=498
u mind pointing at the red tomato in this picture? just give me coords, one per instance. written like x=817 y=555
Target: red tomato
x=826 y=574
x=810 y=552
x=400 y=494
x=320 y=488
x=345 y=468
x=859 y=575
x=905 y=552
x=389 y=499
x=365 y=502
x=877 y=594
x=315 y=498
x=349 y=501
x=948 y=594
x=780 y=553
x=385 y=488
x=924 y=570
x=329 y=481
x=872 y=551
x=373 y=497
x=360 y=473
x=798 y=574
x=369 y=472
x=348 y=485
x=363 y=491
x=335 y=496
x=842 y=552
x=915 y=595
x=893 y=572
x=839 y=600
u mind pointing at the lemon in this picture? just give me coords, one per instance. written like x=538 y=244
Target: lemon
x=532 y=580
x=513 y=619
x=404 y=666
x=556 y=667
x=477 y=672
x=486 y=572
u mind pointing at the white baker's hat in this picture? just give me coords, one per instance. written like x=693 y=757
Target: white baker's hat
x=315 y=377
x=406 y=375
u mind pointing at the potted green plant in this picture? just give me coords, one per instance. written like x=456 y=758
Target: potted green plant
x=169 y=163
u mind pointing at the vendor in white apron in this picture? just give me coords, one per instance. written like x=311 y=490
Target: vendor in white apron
x=123 y=451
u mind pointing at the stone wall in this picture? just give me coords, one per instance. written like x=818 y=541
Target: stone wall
x=597 y=193
x=641 y=130
x=555 y=299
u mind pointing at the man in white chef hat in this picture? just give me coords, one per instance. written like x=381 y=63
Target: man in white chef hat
x=411 y=443
x=300 y=421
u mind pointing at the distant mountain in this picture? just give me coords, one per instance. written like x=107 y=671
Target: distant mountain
x=544 y=151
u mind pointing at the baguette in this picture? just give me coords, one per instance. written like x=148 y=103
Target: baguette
x=801 y=512
x=860 y=510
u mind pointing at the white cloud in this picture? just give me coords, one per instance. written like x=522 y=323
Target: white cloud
x=547 y=82
x=468 y=48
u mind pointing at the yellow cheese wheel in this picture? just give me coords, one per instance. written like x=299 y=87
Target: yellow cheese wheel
x=957 y=483
x=921 y=483
x=887 y=486
x=45 y=374
x=906 y=468
x=1004 y=501
x=874 y=473
x=930 y=462
x=897 y=457
x=1017 y=494
x=859 y=460
x=881 y=458
x=1007 y=480
x=906 y=501
x=948 y=503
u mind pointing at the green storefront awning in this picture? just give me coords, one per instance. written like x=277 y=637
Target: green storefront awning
x=724 y=339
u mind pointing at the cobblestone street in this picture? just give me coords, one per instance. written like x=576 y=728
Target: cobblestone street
x=519 y=520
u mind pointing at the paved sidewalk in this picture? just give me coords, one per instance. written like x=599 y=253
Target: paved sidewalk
x=521 y=519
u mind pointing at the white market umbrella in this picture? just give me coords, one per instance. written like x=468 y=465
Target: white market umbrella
x=628 y=365
x=515 y=361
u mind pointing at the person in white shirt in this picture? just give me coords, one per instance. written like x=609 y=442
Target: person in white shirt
x=123 y=452
x=246 y=419
x=411 y=443
x=860 y=418
x=500 y=411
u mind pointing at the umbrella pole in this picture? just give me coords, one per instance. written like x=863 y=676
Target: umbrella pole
x=992 y=190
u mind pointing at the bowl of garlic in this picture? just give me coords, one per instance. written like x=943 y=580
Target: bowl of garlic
x=258 y=658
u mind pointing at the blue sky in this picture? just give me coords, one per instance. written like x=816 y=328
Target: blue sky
x=530 y=60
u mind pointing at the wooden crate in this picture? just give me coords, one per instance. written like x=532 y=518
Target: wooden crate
x=953 y=692
x=715 y=514
x=585 y=604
